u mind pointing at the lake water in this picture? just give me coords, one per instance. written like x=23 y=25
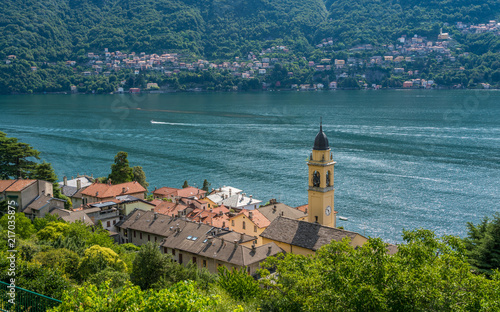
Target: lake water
x=405 y=159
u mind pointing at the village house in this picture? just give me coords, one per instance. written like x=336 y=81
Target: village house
x=186 y=241
x=70 y=187
x=175 y=193
x=249 y=222
x=305 y=238
x=25 y=192
x=72 y=216
x=98 y=192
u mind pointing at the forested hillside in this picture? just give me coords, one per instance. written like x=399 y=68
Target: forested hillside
x=51 y=30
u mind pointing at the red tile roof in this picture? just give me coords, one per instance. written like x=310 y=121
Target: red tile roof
x=169 y=208
x=156 y=202
x=101 y=190
x=164 y=191
x=190 y=191
x=257 y=217
x=4 y=184
x=303 y=208
x=15 y=185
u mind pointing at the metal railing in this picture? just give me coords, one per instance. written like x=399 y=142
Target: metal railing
x=25 y=300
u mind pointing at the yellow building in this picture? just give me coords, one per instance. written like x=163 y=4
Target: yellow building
x=250 y=222
x=305 y=237
x=321 y=191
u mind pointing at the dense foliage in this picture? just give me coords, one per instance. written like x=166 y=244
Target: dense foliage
x=426 y=274
x=483 y=244
x=47 y=33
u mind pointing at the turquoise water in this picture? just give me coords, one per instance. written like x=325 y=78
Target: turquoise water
x=405 y=159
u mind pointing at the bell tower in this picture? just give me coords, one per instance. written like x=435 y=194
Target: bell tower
x=321 y=189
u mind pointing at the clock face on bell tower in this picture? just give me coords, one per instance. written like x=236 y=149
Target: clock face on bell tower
x=321 y=191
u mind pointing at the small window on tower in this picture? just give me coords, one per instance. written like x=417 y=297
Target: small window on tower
x=316 y=179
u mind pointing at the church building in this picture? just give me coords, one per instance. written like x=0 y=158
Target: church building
x=305 y=237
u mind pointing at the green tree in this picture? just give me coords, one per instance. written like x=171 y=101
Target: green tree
x=53 y=231
x=61 y=258
x=140 y=176
x=120 y=170
x=206 y=185
x=16 y=158
x=182 y=296
x=45 y=172
x=33 y=276
x=21 y=225
x=238 y=283
x=426 y=274
x=97 y=258
x=185 y=184
x=483 y=245
x=150 y=266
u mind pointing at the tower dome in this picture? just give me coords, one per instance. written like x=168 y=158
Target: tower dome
x=321 y=141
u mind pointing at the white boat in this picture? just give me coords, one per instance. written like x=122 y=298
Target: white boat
x=155 y=122
x=343 y=218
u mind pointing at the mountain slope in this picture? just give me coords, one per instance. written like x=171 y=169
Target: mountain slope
x=49 y=29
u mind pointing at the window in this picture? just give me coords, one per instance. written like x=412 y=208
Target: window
x=244 y=227
x=114 y=222
x=108 y=224
x=173 y=252
x=149 y=237
x=232 y=222
x=134 y=233
x=180 y=258
x=255 y=228
x=194 y=260
x=125 y=233
x=204 y=263
x=165 y=249
x=155 y=238
x=140 y=235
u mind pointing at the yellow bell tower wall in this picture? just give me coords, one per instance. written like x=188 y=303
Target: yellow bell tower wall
x=321 y=190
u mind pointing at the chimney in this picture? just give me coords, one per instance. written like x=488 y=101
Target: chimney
x=223 y=243
x=156 y=215
x=124 y=190
x=282 y=213
x=250 y=215
x=211 y=210
x=65 y=179
x=269 y=248
x=242 y=236
x=253 y=246
x=92 y=175
x=223 y=224
x=274 y=208
x=72 y=178
x=230 y=192
x=78 y=184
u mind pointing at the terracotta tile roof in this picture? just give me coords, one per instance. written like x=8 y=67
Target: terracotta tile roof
x=102 y=190
x=170 y=208
x=156 y=202
x=164 y=191
x=190 y=191
x=15 y=185
x=220 y=209
x=304 y=234
x=219 y=221
x=303 y=208
x=4 y=184
x=257 y=217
